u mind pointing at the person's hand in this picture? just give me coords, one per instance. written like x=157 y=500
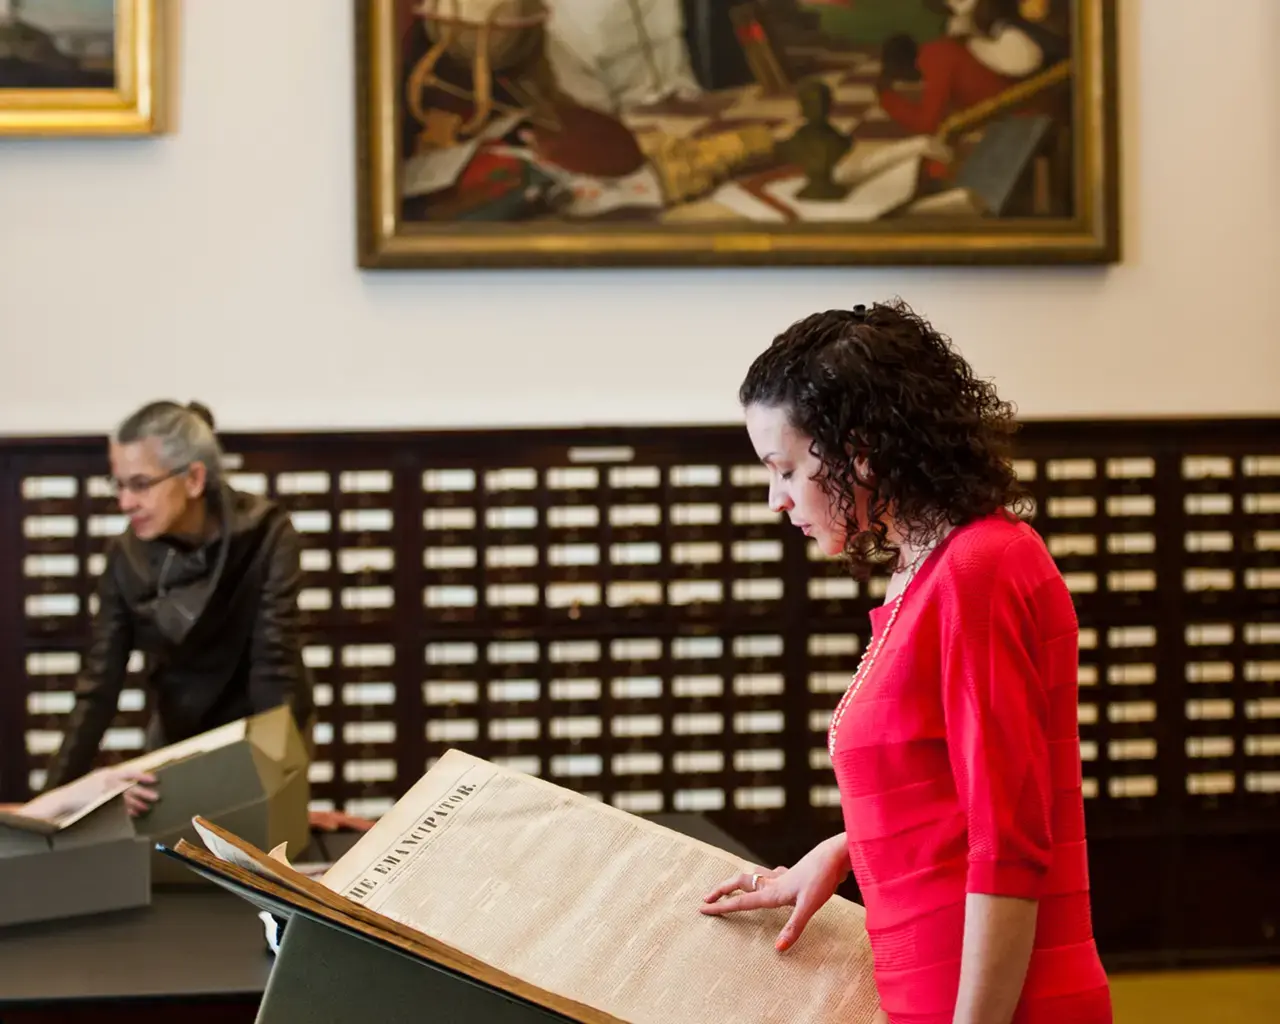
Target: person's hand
x=806 y=886
x=139 y=797
x=58 y=803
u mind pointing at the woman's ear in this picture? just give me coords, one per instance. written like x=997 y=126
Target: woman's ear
x=197 y=478
x=862 y=471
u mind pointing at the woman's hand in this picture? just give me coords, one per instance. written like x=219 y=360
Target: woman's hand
x=806 y=886
x=139 y=797
x=68 y=799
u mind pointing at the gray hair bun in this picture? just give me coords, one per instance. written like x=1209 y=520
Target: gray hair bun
x=201 y=410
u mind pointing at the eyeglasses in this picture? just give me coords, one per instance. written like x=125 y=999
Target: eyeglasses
x=142 y=484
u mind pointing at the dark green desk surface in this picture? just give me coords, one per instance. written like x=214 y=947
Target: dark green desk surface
x=205 y=941
x=192 y=955
x=193 y=952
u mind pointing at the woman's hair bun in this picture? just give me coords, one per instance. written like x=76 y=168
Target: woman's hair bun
x=201 y=410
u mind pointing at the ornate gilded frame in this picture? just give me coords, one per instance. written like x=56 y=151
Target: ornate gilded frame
x=385 y=241
x=134 y=107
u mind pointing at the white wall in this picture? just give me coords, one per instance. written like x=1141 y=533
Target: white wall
x=218 y=263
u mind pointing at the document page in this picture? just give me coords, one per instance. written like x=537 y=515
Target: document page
x=33 y=818
x=70 y=817
x=597 y=905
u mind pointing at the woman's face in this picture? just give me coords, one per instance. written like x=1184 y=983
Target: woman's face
x=157 y=500
x=795 y=485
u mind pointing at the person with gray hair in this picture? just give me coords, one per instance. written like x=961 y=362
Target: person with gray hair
x=204 y=582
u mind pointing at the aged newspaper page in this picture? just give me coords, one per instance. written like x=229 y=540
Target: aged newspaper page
x=597 y=905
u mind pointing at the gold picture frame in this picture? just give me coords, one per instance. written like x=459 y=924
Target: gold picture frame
x=133 y=103
x=1087 y=231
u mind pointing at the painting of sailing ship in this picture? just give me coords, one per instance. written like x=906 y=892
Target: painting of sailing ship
x=794 y=127
x=57 y=44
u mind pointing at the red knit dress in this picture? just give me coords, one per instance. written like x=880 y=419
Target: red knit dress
x=958 y=762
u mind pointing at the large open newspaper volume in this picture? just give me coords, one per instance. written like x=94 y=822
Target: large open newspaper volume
x=580 y=906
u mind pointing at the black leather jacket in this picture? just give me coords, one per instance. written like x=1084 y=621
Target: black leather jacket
x=217 y=625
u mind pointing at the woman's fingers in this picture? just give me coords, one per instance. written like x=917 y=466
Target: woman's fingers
x=138 y=799
x=748 y=881
x=751 y=890
x=762 y=899
x=729 y=886
x=806 y=907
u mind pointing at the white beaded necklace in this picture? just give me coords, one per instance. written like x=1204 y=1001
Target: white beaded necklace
x=868 y=659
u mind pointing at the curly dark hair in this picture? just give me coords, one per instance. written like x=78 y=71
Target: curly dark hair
x=883 y=383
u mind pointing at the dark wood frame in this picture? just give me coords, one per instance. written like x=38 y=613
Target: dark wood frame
x=385 y=241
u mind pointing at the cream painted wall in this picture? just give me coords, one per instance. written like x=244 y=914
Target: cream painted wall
x=219 y=263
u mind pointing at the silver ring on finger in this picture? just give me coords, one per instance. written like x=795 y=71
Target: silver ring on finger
x=755 y=881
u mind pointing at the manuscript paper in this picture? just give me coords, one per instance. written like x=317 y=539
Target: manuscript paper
x=576 y=898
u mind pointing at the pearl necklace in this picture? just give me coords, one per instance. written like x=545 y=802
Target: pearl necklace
x=868 y=659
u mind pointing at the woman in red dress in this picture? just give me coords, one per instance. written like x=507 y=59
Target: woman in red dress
x=956 y=746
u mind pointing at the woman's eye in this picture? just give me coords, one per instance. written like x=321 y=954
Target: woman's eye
x=787 y=474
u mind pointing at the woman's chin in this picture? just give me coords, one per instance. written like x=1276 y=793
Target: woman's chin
x=829 y=546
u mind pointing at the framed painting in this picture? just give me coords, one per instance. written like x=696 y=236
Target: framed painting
x=766 y=132
x=81 y=67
